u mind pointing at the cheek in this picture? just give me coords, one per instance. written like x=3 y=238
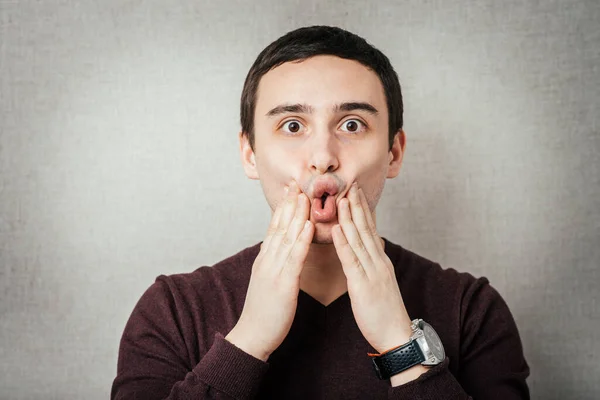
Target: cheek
x=271 y=169
x=273 y=164
x=275 y=170
x=372 y=186
x=371 y=179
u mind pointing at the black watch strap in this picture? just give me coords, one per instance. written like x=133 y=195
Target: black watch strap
x=398 y=360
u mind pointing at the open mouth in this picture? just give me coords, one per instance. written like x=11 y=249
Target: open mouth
x=323 y=199
x=323 y=206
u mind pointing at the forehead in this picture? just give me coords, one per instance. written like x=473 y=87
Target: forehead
x=320 y=82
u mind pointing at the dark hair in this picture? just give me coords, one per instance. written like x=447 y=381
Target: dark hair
x=307 y=42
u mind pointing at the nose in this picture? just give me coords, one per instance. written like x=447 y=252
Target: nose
x=323 y=149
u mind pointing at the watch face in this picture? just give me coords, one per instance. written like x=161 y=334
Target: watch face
x=434 y=342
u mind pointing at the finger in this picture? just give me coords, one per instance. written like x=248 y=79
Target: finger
x=300 y=218
x=359 y=217
x=350 y=263
x=287 y=214
x=372 y=228
x=352 y=235
x=297 y=257
x=295 y=227
x=275 y=220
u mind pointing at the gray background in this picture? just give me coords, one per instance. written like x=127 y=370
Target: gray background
x=119 y=162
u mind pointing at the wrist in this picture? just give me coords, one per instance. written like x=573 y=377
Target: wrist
x=243 y=342
x=397 y=338
x=408 y=375
x=407 y=362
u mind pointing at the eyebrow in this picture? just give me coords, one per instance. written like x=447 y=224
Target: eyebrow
x=306 y=109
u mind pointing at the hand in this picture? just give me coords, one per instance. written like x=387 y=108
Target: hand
x=376 y=301
x=272 y=296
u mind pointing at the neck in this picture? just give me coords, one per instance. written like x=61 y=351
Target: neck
x=322 y=259
x=322 y=276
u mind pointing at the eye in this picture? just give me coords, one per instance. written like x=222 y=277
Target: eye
x=353 y=126
x=292 y=126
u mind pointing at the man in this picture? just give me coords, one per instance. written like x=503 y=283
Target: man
x=323 y=308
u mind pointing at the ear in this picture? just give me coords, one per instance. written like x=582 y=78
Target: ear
x=248 y=157
x=396 y=154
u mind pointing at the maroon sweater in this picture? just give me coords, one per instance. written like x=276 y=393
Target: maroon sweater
x=173 y=345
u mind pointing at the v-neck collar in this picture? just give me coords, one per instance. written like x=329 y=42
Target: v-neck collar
x=317 y=303
x=340 y=300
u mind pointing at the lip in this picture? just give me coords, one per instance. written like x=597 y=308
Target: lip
x=324 y=185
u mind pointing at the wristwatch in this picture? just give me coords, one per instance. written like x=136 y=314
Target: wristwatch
x=424 y=347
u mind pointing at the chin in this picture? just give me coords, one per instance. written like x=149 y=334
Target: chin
x=323 y=233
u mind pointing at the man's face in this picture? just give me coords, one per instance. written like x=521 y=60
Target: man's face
x=322 y=122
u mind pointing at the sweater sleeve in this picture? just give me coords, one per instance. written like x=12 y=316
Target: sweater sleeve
x=153 y=360
x=491 y=365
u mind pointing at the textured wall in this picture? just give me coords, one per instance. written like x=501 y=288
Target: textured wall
x=119 y=162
